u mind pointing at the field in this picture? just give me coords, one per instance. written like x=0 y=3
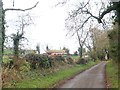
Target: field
x=8 y=51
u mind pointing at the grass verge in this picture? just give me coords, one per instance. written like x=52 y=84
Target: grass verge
x=112 y=74
x=52 y=79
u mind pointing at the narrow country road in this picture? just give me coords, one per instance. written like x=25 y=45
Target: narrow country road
x=91 y=78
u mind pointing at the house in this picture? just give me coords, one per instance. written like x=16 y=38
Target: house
x=56 y=52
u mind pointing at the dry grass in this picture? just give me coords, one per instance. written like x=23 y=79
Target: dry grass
x=10 y=75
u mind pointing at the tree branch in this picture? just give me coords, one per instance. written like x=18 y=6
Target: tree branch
x=99 y=18
x=79 y=39
x=87 y=12
x=88 y=46
x=14 y=9
x=80 y=8
x=109 y=9
x=84 y=23
x=62 y=3
x=80 y=26
x=83 y=6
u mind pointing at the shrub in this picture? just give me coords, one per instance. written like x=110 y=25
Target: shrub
x=32 y=59
x=59 y=58
x=37 y=60
x=25 y=67
x=51 y=61
x=69 y=60
x=5 y=59
x=81 y=61
x=44 y=61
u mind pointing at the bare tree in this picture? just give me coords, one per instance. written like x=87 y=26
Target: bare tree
x=85 y=7
x=73 y=26
x=111 y=7
x=16 y=41
x=23 y=22
x=2 y=22
x=81 y=41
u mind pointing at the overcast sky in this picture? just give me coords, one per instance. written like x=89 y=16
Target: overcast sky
x=49 y=24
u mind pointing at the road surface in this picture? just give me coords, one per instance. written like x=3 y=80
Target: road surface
x=91 y=78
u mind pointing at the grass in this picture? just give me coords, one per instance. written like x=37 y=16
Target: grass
x=52 y=79
x=74 y=57
x=8 y=51
x=112 y=74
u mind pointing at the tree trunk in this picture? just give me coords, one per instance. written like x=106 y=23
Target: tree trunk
x=80 y=44
x=16 y=48
x=1 y=31
x=81 y=51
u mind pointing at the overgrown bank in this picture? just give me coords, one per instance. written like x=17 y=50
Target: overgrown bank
x=51 y=79
x=112 y=74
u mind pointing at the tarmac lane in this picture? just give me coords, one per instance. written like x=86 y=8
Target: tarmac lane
x=90 y=78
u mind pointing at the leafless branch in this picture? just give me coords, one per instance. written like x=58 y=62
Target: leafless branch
x=14 y=9
x=88 y=46
x=13 y=3
x=80 y=27
x=62 y=3
x=74 y=14
x=98 y=18
x=83 y=23
x=87 y=12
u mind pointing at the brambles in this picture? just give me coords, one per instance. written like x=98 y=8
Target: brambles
x=69 y=60
x=25 y=67
x=37 y=60
x=42 y=61
x=58 y=58
x=82 y=61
